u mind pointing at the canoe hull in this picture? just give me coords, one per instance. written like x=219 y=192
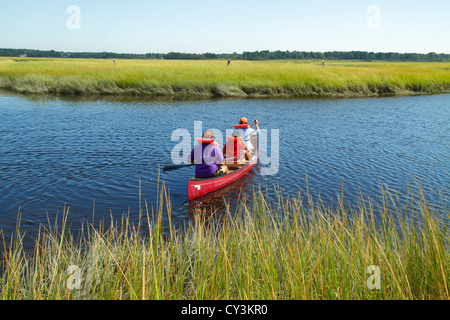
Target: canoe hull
x=199 y=187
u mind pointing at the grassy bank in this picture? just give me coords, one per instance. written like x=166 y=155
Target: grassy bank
x=284 y=250
x=209 y=78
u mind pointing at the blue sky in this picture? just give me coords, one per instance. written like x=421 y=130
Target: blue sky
x=199 y=26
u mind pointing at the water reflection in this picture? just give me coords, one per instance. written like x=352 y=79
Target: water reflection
x=227 y=198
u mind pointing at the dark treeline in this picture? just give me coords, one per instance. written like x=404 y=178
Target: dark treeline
x=255 y=55
x=345 y=55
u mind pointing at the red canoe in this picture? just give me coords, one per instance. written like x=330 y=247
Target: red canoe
x=200 y=186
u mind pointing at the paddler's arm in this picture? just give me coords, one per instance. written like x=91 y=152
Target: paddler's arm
x=219 y=156
x=220 y=160
x=256 y=131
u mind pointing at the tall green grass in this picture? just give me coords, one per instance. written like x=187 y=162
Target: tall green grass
x=292 y=249
x=209 y=78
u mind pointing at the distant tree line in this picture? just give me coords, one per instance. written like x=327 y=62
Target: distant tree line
x=61 y=54
x=345 y=55
x=246 y=55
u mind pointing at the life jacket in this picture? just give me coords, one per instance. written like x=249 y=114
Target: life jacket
x=246 y=138
x=233 y=138
x=234 y=153
x=207 y=141
x=242 y=126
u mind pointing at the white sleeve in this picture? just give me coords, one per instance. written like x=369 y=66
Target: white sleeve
x=255 y=132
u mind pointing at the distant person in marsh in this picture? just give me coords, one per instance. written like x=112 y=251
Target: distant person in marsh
x=229 y=61
x=207 y=157
x=245 y=131
x=114 y=60
x=235 y=149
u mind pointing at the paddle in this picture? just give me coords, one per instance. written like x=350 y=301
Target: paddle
x=178 y=166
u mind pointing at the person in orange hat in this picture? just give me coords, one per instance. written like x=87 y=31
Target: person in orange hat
x=245 y=132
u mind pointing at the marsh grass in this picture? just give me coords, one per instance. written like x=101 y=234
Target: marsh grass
x=292 y=249
x=209 y=78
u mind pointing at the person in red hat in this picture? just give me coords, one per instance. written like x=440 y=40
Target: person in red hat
x=245 y=131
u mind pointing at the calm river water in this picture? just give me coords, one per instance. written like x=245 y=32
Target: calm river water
x=56 y=152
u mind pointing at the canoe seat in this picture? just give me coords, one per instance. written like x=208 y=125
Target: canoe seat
x=235 y=166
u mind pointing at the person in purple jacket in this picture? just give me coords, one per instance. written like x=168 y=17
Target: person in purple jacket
x=208 y=157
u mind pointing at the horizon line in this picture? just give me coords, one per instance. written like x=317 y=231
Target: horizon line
x=234 y=52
